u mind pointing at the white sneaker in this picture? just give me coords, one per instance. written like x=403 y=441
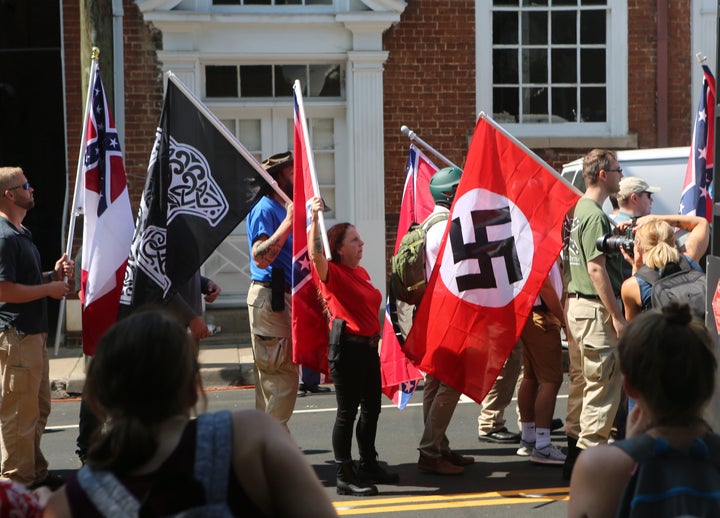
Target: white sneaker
x=548 y=455
x=525 y=449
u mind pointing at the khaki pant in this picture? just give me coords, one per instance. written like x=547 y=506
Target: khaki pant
x=25 y=405
x=492 y=415
x=439 y=402
x=276 y=376
x=591 y=328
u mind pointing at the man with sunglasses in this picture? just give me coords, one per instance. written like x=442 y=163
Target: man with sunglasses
x=25 y=395
x=635 y=199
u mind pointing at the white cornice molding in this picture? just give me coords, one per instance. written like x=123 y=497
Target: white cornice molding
x=156 y=5
x=397 y=6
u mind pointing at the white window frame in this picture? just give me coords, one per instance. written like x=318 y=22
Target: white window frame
x=616 y=74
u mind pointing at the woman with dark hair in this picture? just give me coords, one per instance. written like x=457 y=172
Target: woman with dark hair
x=669 y=367
x=151 y=459
x=354 y=304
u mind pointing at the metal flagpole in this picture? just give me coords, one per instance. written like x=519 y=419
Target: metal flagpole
x=77 y=210
x=414 y=138
x=227 y=134
x=311 y=164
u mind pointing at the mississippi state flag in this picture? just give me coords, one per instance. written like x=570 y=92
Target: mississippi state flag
x=696 y=198
x=399 y=376
x=310 y=331
x=108 y=223
x=503 y=237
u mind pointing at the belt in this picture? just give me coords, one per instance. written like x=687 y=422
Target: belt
x=371 y=341
x=583 y=296
x=288 y=288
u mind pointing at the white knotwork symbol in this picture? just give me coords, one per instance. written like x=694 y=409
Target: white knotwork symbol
x=489 y=251
x=193 y=190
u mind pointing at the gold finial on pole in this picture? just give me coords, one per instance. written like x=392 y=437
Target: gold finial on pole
x=95 y=53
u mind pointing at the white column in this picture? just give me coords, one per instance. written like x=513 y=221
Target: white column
x=365 y=132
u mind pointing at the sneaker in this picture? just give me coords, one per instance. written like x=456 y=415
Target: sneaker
x=438 y=466
x=548 y=455
x=525 y=449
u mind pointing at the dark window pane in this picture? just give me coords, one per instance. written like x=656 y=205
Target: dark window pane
x=535 y=66
x=505 y=67
x=505 y=2
x=534 y=3
x=563 y=27
x=593 y=2
x=534 y=28
x=257 y=2
x=565 y=2
x=592 y=105
x=505 y=104
x=226 y=2
x=564 y=66
x=285 y=76
x=318 y=2
x=256 y=81
x=505 y=28
x=288 y=2
x=325 y=81
x=592 y=27
x=564 y=104
x=592 y=66
x=535 y=105
x=221 y=81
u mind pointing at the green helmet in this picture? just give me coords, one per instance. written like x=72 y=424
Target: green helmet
x=444 y=183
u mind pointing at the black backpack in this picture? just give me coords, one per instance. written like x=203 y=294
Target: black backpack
x=672 y=483
x=677 y=283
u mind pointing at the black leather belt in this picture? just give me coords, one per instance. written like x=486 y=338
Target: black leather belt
x=583 y=296
x=288 y=288
x=371 y=341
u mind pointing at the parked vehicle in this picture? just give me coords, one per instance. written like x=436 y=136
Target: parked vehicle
x=661 y=167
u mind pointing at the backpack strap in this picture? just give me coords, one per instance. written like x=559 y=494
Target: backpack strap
x=644 y=446
x=432 y=219
x=107 y=493
x=647 y=274
x=213 y=454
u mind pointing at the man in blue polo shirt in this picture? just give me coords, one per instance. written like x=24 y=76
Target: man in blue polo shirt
x=25 y=403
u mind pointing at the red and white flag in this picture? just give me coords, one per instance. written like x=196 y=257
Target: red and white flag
x=399 y=375
x=503 y=237
x=309 y=323
x=108 y=222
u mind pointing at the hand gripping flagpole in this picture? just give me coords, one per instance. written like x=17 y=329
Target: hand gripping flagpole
x=297 y=88
x=231 y=138
x=77 y=210
x=414 y=138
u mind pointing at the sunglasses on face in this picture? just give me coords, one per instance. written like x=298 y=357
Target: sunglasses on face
x=24 y=186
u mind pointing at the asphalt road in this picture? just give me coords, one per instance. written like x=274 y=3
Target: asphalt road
x=499 y=484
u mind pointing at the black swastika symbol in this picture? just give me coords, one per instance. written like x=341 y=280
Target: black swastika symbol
x=483 y=250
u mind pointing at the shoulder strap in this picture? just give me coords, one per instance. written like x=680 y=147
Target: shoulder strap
x=647 y=274
x=108 y=494
x=434 y=218
x=639 y=448
x=213 y=454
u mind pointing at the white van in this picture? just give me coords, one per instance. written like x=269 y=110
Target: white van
x=660 y=167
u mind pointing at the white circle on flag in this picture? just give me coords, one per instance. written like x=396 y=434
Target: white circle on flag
x=516 y=236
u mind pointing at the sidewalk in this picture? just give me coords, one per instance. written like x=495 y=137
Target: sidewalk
x=221 y=365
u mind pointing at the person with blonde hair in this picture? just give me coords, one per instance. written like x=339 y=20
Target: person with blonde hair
x=655 y=247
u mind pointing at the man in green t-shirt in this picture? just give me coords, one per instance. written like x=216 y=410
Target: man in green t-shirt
x=594 y=315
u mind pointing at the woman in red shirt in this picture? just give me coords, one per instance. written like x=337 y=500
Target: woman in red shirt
x=354 y=361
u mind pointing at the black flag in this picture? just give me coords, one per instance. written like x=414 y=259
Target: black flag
x=198 y=189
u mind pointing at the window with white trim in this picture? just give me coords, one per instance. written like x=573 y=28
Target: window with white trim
x=558 y=67
x=272 y=2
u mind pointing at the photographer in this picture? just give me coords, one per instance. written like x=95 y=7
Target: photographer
x=655 y=247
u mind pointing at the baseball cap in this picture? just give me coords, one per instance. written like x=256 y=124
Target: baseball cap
x=633 y=184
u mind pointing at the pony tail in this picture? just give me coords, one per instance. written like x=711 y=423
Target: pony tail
x=123 y=445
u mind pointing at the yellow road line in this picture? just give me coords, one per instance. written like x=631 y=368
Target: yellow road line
x=430 y=502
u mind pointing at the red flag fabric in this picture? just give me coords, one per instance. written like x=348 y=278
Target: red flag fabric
x=309 y=323
x=503 y=237
x=108 y=222
x=697 y=198
x=399 y=375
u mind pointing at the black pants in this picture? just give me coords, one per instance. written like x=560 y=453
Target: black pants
x=355 y=369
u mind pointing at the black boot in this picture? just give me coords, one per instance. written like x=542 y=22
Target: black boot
x=348 y=483
x=371 y=471
x=572 y=455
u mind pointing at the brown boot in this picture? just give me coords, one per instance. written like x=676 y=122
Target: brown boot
x=438 y=466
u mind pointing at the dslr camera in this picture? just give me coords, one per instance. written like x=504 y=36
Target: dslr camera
x=611 y=243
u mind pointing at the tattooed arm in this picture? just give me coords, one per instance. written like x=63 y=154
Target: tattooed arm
x=266 y=249
x=315 y=246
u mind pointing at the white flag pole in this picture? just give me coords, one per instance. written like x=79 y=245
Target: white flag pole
x=232 y=139
x=414 y=138
x=297 y=88
x=76 y=210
